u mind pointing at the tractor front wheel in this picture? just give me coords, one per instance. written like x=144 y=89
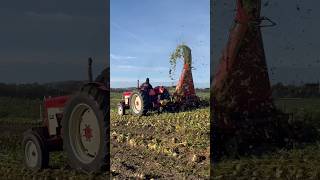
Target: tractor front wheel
x=121 y=109
x=85 y=130
x=36 y=154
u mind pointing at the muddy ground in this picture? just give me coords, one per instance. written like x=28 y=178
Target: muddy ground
x=166 y=146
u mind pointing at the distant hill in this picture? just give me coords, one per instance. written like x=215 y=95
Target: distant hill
x=36 y=90
x=68 y=86
x=171 y=88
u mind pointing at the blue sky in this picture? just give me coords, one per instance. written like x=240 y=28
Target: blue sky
x=143 y=34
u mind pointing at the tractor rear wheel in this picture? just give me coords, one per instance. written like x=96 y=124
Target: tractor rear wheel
x=85 y=130
x=139 y=103
x=36 y=154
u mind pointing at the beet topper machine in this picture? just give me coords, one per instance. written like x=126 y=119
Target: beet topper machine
x=243 y=108
x=148 y=99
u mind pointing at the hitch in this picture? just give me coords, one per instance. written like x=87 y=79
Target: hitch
x=259 y=22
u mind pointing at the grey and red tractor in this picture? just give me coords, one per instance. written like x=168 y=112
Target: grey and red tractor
x=77 y=124
x=143 y=100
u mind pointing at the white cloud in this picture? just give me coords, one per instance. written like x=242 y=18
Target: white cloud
x=128 y=33
x=118 y=57
x=56 y=15
x=139 y=68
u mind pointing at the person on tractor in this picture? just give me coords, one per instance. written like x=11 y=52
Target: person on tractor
x=146 y=86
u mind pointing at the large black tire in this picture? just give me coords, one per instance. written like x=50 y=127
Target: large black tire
x=36 y=153
x=139 y=103
x=88 y=109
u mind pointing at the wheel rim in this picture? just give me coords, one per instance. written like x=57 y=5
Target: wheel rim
x=120 y=110
x=31 y=154
x=136 y=103
x=84 y=133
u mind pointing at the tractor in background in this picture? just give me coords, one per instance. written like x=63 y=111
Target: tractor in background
x=77 y=124
x=146 y=98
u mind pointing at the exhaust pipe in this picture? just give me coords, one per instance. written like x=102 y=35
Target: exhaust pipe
x=90 y=69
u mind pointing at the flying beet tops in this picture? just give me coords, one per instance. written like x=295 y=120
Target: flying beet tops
x=241 y=83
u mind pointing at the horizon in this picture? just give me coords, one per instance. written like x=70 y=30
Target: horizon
x=293 y=83
x=154 y=84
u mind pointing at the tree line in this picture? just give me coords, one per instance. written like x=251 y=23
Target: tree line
x=36 y=90
x=280 y=90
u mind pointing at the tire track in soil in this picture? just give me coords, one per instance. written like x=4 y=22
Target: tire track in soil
x=139 y=162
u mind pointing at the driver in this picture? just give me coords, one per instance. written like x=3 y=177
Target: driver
x=146 y=86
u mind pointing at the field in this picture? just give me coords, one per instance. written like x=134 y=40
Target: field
x=168 y=145
x=300 y=162
x=164 y=146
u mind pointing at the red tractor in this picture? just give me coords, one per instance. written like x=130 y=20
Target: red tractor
x=144 y=100
x=76 y=124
